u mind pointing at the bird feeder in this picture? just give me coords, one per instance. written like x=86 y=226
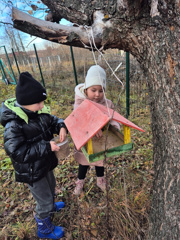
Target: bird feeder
x=87 y=119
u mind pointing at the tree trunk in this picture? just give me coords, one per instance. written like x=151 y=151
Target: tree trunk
x=150 y=31
x=163 y=82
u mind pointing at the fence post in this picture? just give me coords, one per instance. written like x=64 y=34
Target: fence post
x=14 y=78
x=74 y=67
x=39 y=65
x=3 y=72
x=127 y=84
x=16 y=61
x=9 y=74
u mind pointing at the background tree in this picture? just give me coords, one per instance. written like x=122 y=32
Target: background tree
x=150 y=31
x=17 y=39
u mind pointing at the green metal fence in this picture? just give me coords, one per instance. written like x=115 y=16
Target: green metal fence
x=62 y=68
x=5 y=70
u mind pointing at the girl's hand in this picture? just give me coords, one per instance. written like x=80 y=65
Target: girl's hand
x=54 y=147
x=62 y=134
x=99 y=134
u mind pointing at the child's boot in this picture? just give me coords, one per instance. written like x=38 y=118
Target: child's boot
x=47 y=230
x=58 y=206
x=79 y=187
x=101 y=183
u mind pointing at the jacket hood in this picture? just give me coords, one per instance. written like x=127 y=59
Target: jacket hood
x=80 y=96
x=79 y=91
x=9 y=111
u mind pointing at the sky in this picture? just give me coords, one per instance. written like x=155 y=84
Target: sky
x=23 y=5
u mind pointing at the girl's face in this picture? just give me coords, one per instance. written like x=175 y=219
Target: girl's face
x=35 y=107
x=95 y=93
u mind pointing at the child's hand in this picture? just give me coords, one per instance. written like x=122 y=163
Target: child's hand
x=62 y=134
x=54 y=147
x=99 y=134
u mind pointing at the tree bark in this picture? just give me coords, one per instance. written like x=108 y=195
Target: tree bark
x=149 y=30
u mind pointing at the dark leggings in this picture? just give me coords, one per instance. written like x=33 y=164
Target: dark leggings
x=83 y=170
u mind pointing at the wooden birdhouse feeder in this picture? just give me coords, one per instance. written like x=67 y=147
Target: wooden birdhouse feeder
x=86 y=120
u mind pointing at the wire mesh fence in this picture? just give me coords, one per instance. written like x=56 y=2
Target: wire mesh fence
x=53 y=67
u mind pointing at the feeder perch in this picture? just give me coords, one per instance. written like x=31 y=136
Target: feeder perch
x=87 y=119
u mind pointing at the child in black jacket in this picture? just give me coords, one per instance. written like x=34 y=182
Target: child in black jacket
x=29 y=128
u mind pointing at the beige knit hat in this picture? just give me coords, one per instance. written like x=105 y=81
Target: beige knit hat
x=95 y=76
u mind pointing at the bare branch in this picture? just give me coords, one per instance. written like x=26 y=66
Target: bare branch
x=68 y=35
x=5 y=23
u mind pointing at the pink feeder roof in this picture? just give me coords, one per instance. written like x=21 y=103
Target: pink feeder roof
x=117 y=117
x=86 y=120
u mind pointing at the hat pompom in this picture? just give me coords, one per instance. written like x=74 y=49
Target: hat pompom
x=29 y=91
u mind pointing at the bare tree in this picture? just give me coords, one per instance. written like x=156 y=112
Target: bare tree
x=150 y=31
x=13 y=39
x=9 y=36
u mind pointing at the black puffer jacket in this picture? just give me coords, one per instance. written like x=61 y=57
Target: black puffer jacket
x=27 y=138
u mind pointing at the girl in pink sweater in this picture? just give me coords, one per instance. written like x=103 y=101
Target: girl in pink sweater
x=93 y=89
